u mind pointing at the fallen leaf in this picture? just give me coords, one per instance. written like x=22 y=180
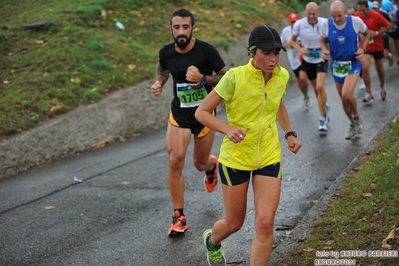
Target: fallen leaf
x=49 y=207
x=308 y=249
x=122 y=139
x=102 y=145
x=327 y=247
x=384 y=242
x=329 y=242
x=397 y=162
x=39 y=41
x=366 y=195
x=131 y=67
x=55 y=108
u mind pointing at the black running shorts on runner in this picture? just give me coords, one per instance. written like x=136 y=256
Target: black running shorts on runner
x=186 y=119
x=312 y=69
x=386 y=43
x=233 y=177
x=296 y=71
x=378 y=55
x=394 y=34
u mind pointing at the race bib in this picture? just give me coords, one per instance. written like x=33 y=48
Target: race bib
x=371 y=40
x=341 y=69
x=314 y=53
x=190 y=94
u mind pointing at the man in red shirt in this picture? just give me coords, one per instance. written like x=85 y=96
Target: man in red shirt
x=378 y=25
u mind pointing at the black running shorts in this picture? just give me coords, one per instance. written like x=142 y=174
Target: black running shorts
x=233 y=177
x=187 y=120
x=312 y=69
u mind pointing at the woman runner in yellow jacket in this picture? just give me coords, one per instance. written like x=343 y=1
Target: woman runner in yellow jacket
x=251 y=147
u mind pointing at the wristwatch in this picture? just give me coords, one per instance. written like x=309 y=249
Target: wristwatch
x=291 y=133
x=203 y=80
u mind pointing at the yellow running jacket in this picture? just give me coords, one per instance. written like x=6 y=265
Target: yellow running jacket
x=252 y=106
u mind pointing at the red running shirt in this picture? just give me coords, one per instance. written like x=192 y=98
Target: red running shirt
x=374 y=22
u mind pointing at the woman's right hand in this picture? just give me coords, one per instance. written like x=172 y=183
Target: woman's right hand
x=236 y=135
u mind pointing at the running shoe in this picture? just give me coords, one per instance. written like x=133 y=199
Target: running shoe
x=352 y=133
x=211 y=179
x=390 y=59
x=306 y=100
x=359 y=124
x=323 y=122
x=383 y=93
x=368 y=99
x=178 y=225
x=214 y=257
x=327 y=117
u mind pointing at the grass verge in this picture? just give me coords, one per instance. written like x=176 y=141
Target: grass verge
x=363 y=216
x=84 y=56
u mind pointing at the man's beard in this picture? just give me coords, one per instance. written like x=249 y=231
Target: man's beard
x=183 y=44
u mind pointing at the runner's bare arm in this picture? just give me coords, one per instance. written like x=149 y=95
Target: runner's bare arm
x=324 y=48
x=212 y=80
x=296 y=45
x=367 y=35
x=162 y=76
x=383 y=30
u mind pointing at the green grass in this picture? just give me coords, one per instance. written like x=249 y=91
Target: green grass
x=364 y=213
x=84 y=57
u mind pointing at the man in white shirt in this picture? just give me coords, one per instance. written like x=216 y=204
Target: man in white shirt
x=308 y=30
x=294 y=58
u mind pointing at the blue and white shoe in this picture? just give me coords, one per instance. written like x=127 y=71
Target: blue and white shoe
x=326 y=116
x=323 y=122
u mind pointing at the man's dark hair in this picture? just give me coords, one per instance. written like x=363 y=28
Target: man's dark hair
x=363 y=3
x=183 y=13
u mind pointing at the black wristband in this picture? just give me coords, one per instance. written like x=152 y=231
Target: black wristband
x=291 y=133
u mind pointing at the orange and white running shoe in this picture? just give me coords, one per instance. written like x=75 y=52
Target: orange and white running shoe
x=178 y=225
x=211 y=179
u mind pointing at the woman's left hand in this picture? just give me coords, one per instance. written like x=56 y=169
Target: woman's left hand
x=294 y=144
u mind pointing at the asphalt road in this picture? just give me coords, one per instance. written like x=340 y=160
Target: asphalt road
x=120 y=211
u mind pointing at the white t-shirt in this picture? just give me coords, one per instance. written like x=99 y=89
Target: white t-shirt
x=310 y=38
x=358 y=26
x=292 y=53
